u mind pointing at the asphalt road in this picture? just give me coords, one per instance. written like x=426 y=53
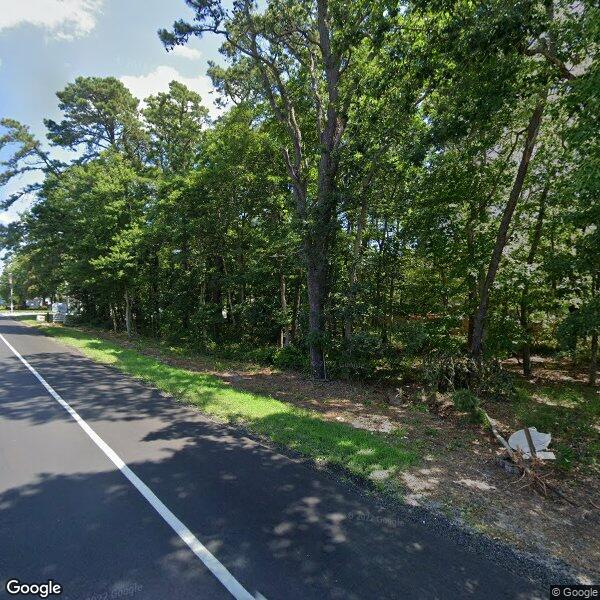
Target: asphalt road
x=282 y=529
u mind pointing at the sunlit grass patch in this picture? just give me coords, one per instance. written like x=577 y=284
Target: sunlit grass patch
x=361 y=452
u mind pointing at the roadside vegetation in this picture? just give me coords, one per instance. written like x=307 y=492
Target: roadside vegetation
x=569 y=409
x=362 y=453
x=399 y=442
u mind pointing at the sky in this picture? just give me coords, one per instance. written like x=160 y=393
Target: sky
x=45 y=44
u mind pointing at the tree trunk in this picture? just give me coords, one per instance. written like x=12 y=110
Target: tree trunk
x=113 y=316
x=316 y=278
x=593 y=359
x=357 y=249
x=284 y=333
x=526 y=349
x=230 y=313
x=296 y=310
x=315 y=246
x=156 y=294
x=319 y=218
x=353 y=279
x=524 y=312
x=318 y=242
x=502 y=236
x=322 y=215
x=471 y=277
x=185 y=250
x=128 y=313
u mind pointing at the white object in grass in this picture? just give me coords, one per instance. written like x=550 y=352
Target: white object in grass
x=518 y=442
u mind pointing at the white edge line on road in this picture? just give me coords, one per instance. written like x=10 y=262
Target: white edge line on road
x=212 y=563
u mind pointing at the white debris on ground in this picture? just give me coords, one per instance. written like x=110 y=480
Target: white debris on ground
x=541 y=441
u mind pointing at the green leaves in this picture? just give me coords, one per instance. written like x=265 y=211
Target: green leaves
x=581 y=322
x=99 y=114
x=174 y=121
x=378 y=140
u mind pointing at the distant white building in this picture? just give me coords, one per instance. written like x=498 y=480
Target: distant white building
x=34 y=302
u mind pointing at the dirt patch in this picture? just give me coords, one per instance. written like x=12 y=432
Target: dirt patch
x=461 y=473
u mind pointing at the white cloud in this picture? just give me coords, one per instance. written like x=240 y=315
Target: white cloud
x=64 y=19
x=158 y=80
x=187 y=52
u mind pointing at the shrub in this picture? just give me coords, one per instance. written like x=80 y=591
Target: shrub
x=496 y=383
x=448 y=373
x=417 y=337
x=365 y=357
x=291 y=357
x=581 y=322
x=413 y=336
x=466 y=401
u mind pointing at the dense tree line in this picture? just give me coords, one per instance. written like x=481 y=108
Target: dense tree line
x=390 y=179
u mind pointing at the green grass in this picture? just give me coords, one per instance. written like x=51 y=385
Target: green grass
x=571 y=412
x=361 y=452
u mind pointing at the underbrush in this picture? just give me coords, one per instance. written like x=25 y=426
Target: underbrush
x=569 y=411
x=466 y=401
x=451 y=372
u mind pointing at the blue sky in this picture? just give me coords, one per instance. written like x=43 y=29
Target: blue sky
x=44 y=44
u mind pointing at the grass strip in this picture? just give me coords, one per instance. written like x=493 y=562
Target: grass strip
x=359 y=451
